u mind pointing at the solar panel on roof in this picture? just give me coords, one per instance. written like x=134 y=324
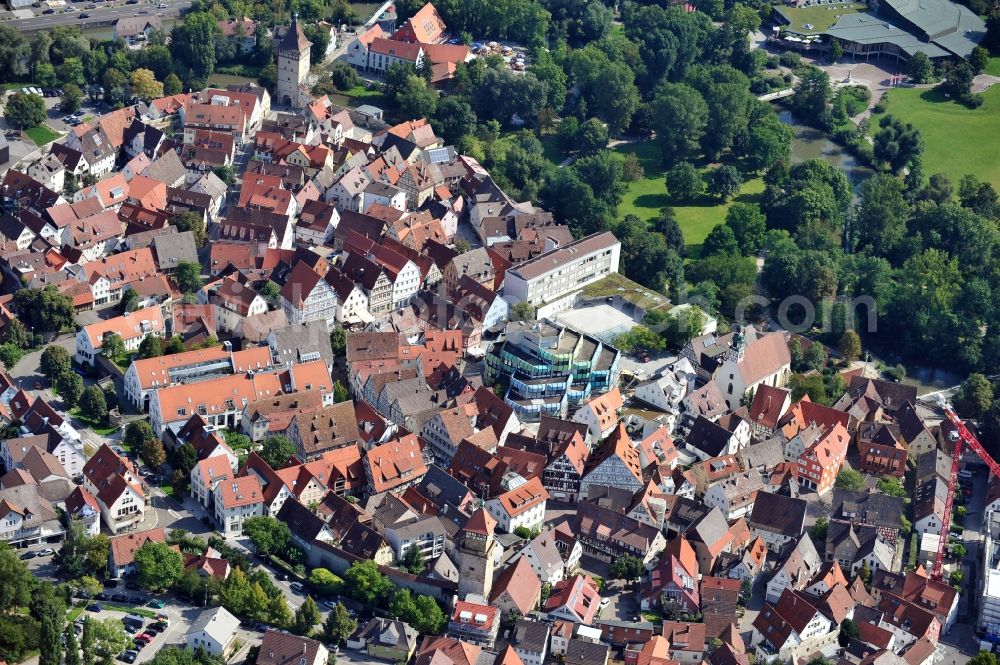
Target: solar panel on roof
x=439 y=155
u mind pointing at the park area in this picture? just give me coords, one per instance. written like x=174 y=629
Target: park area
x=644 y=198
x=817 y=18
x=955 y=137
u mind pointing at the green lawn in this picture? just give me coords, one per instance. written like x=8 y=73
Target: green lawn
x=101 y=429
x=359 y=95
x=821 y=17
x=993 y=66
x=644 y=198
x=42 y=135
x=958 y=140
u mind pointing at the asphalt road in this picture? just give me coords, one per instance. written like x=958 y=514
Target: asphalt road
x=103 y=14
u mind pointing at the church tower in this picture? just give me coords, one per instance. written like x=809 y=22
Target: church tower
x=475 y=555
x=293 y=65
x=738 y=347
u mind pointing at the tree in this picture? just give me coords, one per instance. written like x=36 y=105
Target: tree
x=818 y=531
x=340 y=392
x=151 y=347
x=882 y=214
x=724 y=182
x=159 y=566
x=226 y=174
x=48 y=608
x=891 y=486
x=129 y=301
x=430 y=619
x=17 y=334
x=958 y=81
x=897 y=143
x=679 y=116
x=684 y=182
x=13 y=52
x=415 y=98
x=325 y=582
x=811 y=101
x=108 y=638
x=93 y=405
x=850 y=345
x=72 y=647
x=849 y=479
x=920 y=68
x=768 y=140
x=267 y=535
x=193 y=43
x=277 y=450
x=87 y=641
x=193 y=222
x=172 y=85
x=413 y=560
x=593 y=136
x=25 y=110
x=865 y=573
x=366 y=583
x=338 y=341
x=70 y=388
x=112 y=346
x=522 y=311
x=306 y=616
x=10 y=354
x=139 y=437
x=628 y=568
x=848 y=630
x=720 y=240
x=984 y=658
x=343 y=76
x=979 y=59
x=72 y=98
x=188 y=276
x=44 y=310
x=338 y=625
x=975 y=396
x=82 y=553
x=958 y=551
x=749 y=227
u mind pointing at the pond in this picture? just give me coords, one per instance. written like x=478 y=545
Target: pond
x=811 y=143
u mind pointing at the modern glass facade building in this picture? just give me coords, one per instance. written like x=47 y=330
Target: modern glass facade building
x=548 y=369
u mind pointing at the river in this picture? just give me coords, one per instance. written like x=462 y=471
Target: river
x=811 y=143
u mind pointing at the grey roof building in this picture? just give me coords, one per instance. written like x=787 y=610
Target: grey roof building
x=301 y=343
x=172 y=248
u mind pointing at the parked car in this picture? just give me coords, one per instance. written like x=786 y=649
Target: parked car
x=128 y=656
x=135 y=600
x=48 y=551
x=296 y=587
x=156 y=604
x=49 y=11
x=145 y=637
x=84 y=15
x=94 y=607
x=103 y=596
x=119 y=598
x=28 y=555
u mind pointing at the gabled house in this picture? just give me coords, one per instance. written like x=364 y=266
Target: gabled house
x=796 y=568
x=673 y=583
x=600 y=415
x=777 y=519
x=614 y=464
x=119 y=489
x=790 y=628
x=121 y=556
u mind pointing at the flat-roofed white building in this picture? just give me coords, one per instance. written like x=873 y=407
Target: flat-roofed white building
x=546 y=280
